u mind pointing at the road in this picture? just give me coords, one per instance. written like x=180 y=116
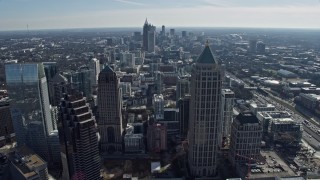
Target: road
x=310 y=125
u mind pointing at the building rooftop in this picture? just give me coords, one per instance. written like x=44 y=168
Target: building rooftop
x=108 y=69
x=25 y=161
x=247 y=118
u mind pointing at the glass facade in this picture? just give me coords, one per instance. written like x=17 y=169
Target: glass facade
x=27 y=87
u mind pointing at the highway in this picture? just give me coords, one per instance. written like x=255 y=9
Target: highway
x=310 y=126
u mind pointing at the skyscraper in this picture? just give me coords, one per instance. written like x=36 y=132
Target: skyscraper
x=27 y=87
x=78 y=139
x=109 y=108
x=204 y=116
x=183 y=105
x=94 y=66
x=226 y=117
x=6 y=128
x=148 y=37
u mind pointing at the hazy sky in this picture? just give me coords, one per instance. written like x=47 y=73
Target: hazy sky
x=56 y=14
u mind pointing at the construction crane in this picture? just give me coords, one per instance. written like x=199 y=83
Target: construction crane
x=249 y=164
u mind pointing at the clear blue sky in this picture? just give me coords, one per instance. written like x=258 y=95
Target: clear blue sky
x=56 y=14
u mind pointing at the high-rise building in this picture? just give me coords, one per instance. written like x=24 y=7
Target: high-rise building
x=7 y=134
x=27 y=87
x=78 y=139
x=163 y=30
x=205 y=118
x=253 y=46
x=172 y=32
x=151 y=40
x=183 y=105
x=148 y=37
x=226 y=117
x=184 y=33
x=81 y=80
x=109 y=108
x=94 y=66
x=58 y=85
x=50 y=69
x=183 y=87
x=158 y=104
x=246 y=136
x=127 y=59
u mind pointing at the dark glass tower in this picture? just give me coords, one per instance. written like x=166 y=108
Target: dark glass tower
x=78 y=139
x=27 y=87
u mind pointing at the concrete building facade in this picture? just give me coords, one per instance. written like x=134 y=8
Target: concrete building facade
x=205 y=115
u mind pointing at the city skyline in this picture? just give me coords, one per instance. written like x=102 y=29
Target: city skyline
x=18 y=14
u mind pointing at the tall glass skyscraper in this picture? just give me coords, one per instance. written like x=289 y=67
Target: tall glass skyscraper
x=27 y=87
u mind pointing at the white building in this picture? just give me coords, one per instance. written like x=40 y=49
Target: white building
x=255 y=108
x=94 y=65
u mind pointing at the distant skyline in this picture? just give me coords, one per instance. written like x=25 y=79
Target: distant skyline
x=60 y=14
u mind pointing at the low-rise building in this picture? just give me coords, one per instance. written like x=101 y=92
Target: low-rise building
x=26 y=165
x=256 y=107
x=157 y=138
x=133 y=140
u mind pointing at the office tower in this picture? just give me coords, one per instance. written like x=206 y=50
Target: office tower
x=50 y=69
x=172 y=32
x=183 y=87
x=183 y=105
x=253 y=46
x=148 y=37
x=184 y=34
x=158 y=80
x=6 y=127
x=94 y=66
x=158 y=105
x=78 y=138
x=81 y=80
x=27 y=87
x=109 y=108
x=157 y=138
x=127 y=59
x=163 y=30
x=137 y=36
x=226 y=117
x=246 y=136
x=58 y=85
x=261 y=47
x=27 y=165
x=151 y=40
x=204 y=119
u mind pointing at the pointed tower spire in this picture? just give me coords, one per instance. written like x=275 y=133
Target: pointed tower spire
x=146 y=22
x=206 y=56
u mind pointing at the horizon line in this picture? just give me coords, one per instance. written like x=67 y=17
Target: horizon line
x=136 y=27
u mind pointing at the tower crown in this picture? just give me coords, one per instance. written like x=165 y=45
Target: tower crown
x=206 y=57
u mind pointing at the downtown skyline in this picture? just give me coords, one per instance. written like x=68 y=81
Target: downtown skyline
x=17 y=14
